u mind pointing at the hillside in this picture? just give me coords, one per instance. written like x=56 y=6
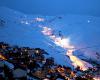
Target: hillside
x=55 y=34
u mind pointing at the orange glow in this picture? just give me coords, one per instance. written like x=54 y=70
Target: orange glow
x=2 y=57
x=66 y=44
x=78 y=62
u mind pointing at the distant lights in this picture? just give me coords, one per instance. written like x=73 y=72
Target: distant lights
x=65 y=43
x=25 y=22
x=39 y=19
x=88 y=21
x=47 y=31
x=37 y=51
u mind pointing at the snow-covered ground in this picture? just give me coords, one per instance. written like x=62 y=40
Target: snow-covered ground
x=77 y=34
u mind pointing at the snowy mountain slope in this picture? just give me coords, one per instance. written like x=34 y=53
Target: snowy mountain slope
x=16 y=33
x=26 y=30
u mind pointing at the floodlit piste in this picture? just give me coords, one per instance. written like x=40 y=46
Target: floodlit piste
x=49 y=40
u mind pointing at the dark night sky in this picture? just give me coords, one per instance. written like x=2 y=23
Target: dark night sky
x=55 y=7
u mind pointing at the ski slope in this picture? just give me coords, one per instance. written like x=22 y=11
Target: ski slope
x=56 y=34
